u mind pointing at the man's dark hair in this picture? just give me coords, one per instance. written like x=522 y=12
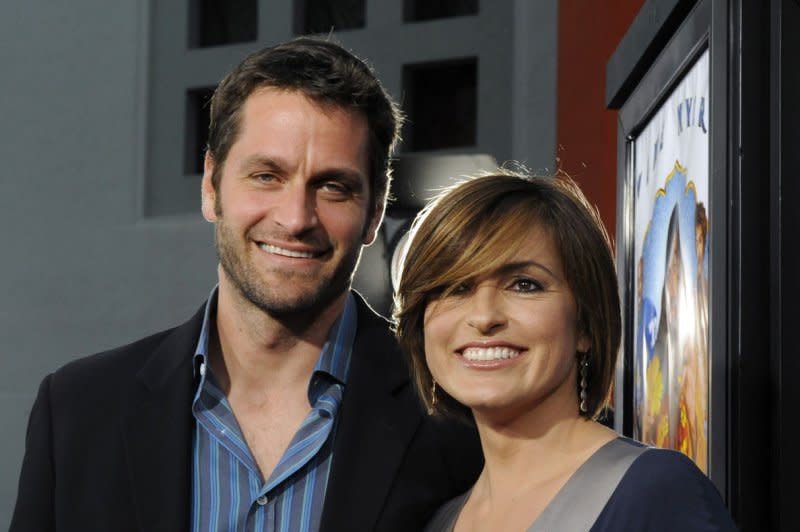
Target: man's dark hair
x=328 y=74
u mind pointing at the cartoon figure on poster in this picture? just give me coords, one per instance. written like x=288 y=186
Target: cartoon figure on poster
x=671 y=227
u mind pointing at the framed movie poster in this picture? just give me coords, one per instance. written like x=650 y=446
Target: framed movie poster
x=706 y=94
x=672 y=379
x=670 y=171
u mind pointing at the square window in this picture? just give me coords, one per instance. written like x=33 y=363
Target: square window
x=441 y=102
x=195 y=135
x=215 y=23
x=419 y=10
x=323 y=16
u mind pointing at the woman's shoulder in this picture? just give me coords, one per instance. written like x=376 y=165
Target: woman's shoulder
x=657 y=468
x=664 y=490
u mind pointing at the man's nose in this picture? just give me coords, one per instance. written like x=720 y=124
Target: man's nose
x=296 y=211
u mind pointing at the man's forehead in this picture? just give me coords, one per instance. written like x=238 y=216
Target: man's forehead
x=325 y=106
x=283 y=128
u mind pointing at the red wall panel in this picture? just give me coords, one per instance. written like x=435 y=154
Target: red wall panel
x=588 y=33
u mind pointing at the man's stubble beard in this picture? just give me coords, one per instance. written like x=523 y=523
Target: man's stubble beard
x=306 y=305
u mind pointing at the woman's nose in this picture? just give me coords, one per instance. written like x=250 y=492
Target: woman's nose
x=486 y=313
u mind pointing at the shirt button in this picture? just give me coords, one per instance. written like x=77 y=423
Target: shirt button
x=262 y=500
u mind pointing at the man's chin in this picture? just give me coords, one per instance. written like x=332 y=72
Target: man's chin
x=286 y=295
x=287 y=305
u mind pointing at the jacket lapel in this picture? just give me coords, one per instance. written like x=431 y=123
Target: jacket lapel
x=378 y=418
x=158 y=432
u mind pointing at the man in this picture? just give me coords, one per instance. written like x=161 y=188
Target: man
x=283 y=404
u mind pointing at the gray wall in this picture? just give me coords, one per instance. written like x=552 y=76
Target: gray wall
x=83 y=270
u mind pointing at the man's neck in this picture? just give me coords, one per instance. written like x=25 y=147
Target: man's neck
x=250 y=348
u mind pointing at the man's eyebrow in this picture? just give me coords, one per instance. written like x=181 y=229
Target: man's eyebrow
x=260 y=161
x=266 y=161
x=353 y=177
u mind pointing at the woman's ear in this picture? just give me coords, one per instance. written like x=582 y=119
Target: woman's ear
x=584 y=343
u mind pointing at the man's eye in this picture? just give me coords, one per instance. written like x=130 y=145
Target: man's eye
x=335 y=187
x=265 y=178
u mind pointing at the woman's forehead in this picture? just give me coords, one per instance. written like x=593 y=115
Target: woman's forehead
x=503 y=249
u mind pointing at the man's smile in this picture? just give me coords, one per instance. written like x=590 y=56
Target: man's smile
x=297 y=254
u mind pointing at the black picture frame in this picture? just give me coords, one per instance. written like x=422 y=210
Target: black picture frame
x=754 y=163
x=660 y=48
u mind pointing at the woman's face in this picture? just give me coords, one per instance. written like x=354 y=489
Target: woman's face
x=506 y=343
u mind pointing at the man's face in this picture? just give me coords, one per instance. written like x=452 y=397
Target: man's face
x=291 y=209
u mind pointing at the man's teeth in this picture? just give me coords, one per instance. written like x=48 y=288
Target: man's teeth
x=269 y=248
x=489 y=353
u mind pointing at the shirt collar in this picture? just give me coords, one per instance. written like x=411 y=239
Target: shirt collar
x=201 y=351
x=334 y=359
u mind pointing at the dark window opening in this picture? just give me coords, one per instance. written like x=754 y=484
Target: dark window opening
x=441 y=102
x=324 y=16
x=215 y=23
x=419 y=10
x=196 y=129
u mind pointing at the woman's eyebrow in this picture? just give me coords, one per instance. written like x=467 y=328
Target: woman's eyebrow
x=512 y=267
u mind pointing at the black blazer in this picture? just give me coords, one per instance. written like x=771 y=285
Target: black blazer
x=109 y=442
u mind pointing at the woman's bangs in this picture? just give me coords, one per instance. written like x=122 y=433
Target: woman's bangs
x=492 y=243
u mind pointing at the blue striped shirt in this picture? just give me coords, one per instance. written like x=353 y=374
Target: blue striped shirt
x=228 y=491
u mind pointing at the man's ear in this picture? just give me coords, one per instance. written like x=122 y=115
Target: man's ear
x=208 y=194
x=374 y=223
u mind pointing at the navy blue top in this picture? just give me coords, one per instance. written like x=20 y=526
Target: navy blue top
x=644 y=490
x=664 y=490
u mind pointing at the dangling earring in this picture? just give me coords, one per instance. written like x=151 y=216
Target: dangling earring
x=433 y=398
x=584 y=363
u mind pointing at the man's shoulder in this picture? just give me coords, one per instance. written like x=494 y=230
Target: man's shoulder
x=367 y=316
x=372 y=329
x=111 y=370
x=118 y=360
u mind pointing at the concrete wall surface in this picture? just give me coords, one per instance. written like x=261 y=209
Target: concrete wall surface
x=81 y=269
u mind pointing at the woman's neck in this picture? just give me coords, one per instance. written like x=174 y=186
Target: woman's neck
x=535 y=449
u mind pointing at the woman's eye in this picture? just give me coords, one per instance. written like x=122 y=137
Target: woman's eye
x=459 y=290
x=525 y=285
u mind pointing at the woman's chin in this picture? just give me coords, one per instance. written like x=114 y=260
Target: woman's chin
x=489 y=407
x=480 y=398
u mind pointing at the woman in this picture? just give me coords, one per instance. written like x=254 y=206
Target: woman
x=508 y=310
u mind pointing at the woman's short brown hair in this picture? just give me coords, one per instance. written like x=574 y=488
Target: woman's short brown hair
x=475 y=227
